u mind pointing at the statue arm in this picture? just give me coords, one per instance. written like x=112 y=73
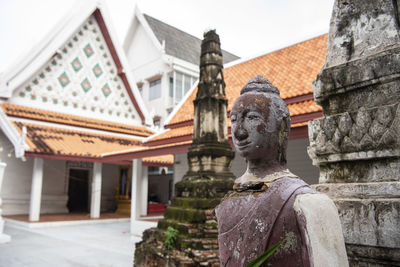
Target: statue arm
x=323 y=231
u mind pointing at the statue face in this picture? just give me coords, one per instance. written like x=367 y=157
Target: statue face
x=254 y=130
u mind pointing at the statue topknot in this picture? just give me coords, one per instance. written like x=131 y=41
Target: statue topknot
x=259 y=84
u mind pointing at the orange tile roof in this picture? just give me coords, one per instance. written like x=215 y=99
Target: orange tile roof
x=176 y=132
x=292 y=70
x=163 y=159
x=295 y=109
x=57 y=141
x=62 y=118
x=148 y=149
x=303 y=108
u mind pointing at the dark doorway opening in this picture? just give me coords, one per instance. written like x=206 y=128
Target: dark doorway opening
x=78 y=190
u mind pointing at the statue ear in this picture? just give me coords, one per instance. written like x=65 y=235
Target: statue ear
x=283 y=139
x=285 y=128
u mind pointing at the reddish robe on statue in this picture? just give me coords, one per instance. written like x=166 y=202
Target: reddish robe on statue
x=251 y=222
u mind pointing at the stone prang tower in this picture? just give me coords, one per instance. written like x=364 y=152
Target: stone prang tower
x=206 y=182
x=210 y=154
x=356 y=144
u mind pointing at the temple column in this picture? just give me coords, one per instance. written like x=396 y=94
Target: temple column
x=36 y=189
x=144 y=182
x=3 y=237
x=96 y=191
x=136 y=175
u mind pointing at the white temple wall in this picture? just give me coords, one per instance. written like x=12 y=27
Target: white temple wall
x=54 y=190
x=17 y=182
x=16 y=187
x=143 y=56
x=180 y=166
x=147 y=66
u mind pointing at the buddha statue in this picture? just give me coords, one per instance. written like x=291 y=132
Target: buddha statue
x=268 y=203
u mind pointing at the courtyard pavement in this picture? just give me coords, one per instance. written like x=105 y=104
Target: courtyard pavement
x=101 y=244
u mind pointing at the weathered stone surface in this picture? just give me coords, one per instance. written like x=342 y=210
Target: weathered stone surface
x=206 y=182
x=372 y=256
x=360 y=190
x=350 y=171
x=361 y=29
x=363 y=130
x=368 y=211
x=357 y=143
x=373 y=222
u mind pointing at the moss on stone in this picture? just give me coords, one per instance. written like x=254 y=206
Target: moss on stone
x=185 y=215
x=199 y=187
x=196 y=203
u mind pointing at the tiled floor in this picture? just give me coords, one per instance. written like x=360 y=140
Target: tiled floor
x=67 y=217
x=101 y=244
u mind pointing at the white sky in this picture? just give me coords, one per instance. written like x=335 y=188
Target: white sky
x=246 y=28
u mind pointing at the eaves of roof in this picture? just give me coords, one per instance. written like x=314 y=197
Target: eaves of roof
x=18 y=111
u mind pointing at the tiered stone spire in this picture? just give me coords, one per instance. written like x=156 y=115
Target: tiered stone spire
x=210 y=154
x=207 y=180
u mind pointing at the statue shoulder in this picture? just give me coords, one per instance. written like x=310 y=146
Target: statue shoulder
x=323 y=230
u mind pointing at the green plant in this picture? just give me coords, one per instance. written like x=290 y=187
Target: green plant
x=171 y=236
x=263 y=257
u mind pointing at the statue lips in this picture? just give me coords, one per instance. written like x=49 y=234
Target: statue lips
x=244 y=148
x=242 y=145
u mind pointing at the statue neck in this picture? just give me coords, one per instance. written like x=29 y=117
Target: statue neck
x=261 y=168
x=263 y=172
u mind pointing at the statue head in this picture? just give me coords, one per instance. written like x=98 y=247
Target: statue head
x=260 y=122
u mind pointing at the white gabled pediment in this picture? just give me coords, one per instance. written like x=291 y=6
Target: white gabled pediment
x=81 y=73
x=139 y=21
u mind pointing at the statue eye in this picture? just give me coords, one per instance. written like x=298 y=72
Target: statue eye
x=252 y=116
x=233 y=118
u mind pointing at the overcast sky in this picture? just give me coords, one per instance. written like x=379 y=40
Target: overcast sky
x=246 y=28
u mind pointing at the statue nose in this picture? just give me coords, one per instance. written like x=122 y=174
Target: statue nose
x=240 y=133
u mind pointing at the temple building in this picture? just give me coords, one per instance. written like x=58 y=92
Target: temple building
x=77 y=114
x=63 y=105
x=164 y=61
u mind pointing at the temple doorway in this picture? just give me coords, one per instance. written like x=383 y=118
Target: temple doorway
x=159 y=189
x=78 y=190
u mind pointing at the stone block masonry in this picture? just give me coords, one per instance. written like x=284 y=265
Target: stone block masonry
x=356 y=144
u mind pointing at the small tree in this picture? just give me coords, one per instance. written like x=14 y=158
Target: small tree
x=171 y=236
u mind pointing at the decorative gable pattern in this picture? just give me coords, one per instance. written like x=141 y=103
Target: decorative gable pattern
x=80 y=79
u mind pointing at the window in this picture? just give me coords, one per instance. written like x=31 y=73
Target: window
x=183 y=83
x=171 y=86
x=178 y=87
x=155 y=90
x=188 y=83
